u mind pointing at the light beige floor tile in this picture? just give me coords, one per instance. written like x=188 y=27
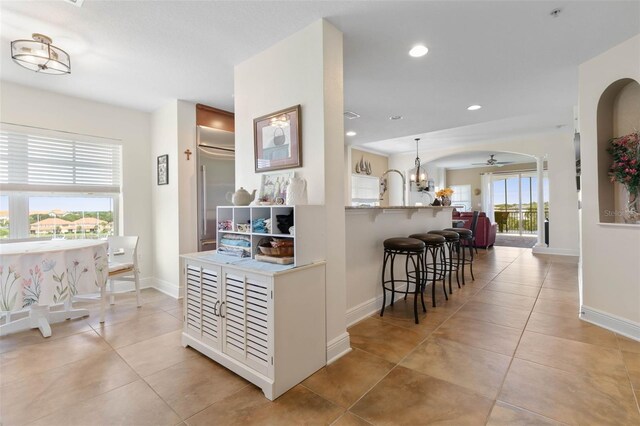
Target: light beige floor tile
x=568 y=296
x=158 y=353
x=521 y=278
x=118 y=313
x=401 y=315
x=571 y=328
x=480 y=334
x=177 y=313
x=505 y=299
x=520 y=289
x=33 y=336
x=496 y=314
x=627 y=344
x=63 y=387
x=132 y=404
x=632 y=362
x=249 y=407
x=382 y=339
x=139 y=329
x=568 y=397
x=431 y=401
x=23 y=362
x=560 y=284
x=472 y=368
x=507 y=415
x=194 y=384
x=349 y=419
x=572 y=356
x=557 y=308
x=346 y=380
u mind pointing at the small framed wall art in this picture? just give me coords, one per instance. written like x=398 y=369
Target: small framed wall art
x=277 y=139
x=163 y=169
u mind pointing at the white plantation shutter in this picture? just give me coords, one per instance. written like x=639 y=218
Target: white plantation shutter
x=34 y=160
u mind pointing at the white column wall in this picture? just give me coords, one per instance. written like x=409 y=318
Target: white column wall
x=610 y=252
x=305 y=69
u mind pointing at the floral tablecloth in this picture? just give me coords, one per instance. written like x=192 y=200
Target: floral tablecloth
x=50 y=272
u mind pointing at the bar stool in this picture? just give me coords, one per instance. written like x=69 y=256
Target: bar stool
x=434 y=245
x=413 y=250
x=466 y=241
x=452 y=241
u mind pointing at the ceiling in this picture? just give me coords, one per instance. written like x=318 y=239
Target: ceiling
x=513 y=58
x=467 y=160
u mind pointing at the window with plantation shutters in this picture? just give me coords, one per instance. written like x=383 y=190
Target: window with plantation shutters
x=31 y=161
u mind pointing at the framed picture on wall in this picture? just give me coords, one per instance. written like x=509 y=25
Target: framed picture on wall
x=277 y=140
x=163 y=169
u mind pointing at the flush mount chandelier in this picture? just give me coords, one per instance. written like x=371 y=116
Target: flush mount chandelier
x=40 y=55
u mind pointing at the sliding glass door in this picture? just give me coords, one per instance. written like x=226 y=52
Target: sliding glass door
x=515 y=202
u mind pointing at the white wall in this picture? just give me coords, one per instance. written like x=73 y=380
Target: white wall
x=164 y=198
x=610 y=252
x=305 y=69
x=563 y=197
x=27 y=106
x=173 y=130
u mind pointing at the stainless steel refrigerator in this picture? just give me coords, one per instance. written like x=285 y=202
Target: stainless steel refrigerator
x=216 y=177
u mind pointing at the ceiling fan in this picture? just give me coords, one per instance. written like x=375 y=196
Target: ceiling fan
x=492 y=162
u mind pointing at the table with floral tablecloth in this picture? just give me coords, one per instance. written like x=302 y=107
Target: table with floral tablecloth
x=35 y=275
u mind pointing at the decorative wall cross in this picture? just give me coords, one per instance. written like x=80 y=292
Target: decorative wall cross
x=188 y=153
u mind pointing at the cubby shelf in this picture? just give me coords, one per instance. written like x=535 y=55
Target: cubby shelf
x=308 y=221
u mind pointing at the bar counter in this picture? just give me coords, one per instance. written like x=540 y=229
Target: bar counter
x=366 y=229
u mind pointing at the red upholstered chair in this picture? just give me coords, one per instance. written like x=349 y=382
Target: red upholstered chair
x=485 y=229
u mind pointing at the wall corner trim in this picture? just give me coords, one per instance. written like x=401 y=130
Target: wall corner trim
x=338 y=347
x=613 y=323
x=556 y=251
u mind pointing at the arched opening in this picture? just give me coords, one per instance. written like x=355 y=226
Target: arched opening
x=618 y=115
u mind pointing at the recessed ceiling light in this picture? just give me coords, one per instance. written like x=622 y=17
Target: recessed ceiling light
x=395 y=117
x=474 y=107
x=418 y=51
x=351 y=133
x=351 y=115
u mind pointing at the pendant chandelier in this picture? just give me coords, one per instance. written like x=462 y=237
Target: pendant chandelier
x=40 y=55
x=419 y=179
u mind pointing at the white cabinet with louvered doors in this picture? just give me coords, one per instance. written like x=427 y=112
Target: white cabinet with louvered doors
x=267 y=327
x=202 y=303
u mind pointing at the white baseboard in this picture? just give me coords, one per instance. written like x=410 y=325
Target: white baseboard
x=556 y=251
x=611 y=322
x=167 y=288
x=338 y=347
x=365 y=309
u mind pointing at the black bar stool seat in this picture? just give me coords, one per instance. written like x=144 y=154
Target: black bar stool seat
x=408 y=244
x=413 y=251
x=462 y=232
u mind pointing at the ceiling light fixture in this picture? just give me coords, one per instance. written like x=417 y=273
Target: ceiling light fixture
x=418 y=51
x=40 y=55
x=351 y=133
x=419 y=178
x=474 y=107
x=555 y=12
x=395 y=117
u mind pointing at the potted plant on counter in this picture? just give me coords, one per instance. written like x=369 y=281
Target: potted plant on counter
x=445 y=196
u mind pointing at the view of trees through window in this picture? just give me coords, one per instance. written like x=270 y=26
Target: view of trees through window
x=4 y=216
x=515 y=203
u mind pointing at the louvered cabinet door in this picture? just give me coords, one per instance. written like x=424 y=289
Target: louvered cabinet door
x=247 y=301
x=202 y=303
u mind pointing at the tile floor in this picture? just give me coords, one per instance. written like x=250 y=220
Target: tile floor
x=505 y=349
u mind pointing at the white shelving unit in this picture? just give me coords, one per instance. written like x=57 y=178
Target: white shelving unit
x=308 y=220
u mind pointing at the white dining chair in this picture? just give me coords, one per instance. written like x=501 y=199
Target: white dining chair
x=123 y=266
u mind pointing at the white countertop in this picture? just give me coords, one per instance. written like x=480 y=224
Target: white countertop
x=397 y=207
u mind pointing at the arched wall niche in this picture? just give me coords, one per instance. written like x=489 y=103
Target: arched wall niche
x=618 y=115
